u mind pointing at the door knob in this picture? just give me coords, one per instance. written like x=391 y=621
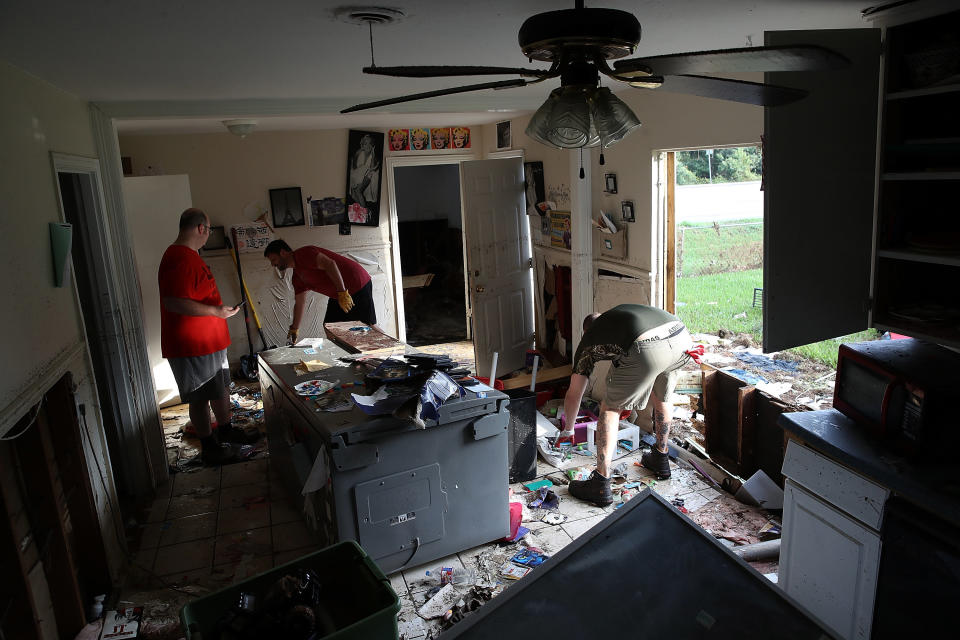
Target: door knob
x=480 y=289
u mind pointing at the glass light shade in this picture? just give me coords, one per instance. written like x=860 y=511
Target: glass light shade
x=576 y=116
x=611 y=116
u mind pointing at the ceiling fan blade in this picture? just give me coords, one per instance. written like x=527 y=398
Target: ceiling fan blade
x=502 y=84
x=785 y=58
x=763 y=95
x=441 y=71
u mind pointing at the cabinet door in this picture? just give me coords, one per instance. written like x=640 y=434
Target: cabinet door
x=819 y=182
x=828 y=563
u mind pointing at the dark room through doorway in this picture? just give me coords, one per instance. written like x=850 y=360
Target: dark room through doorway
x=430 y=230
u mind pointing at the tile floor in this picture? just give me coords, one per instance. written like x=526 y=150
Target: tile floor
x=214 y=527
x=217 y=526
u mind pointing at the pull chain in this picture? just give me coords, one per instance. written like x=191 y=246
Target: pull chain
x=370 y=25
x=582 y=174
x=602 y=161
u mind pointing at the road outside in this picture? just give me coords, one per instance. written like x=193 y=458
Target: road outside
x=718 y=202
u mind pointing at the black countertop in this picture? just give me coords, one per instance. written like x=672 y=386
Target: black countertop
x=354 y=424
x=932 y=485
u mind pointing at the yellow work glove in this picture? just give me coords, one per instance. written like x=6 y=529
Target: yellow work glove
x=346 y=302
x=292 y=335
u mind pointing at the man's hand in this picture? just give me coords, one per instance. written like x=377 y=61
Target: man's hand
x=563 y=436
x=292 y=335
x=346 y=302
x=223 y=311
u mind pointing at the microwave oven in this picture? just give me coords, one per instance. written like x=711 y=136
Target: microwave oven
x=898 y=389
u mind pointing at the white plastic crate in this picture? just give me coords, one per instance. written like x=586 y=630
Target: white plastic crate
x=627 y=431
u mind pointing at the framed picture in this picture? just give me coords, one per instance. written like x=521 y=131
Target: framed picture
x=440 y=138
x=364 y=167
x=503 y=135
x=327 y=211
x=560 y=229
x=460 y=138
x=419 y=139
x=287 y=207
x=626 y=207
x=610 y=182
x=536 y=192
x=399 y=139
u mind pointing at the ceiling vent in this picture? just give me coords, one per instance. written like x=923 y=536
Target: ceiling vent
x=368 y=15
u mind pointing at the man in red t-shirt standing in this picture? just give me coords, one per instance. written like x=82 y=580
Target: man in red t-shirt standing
x=328 y=273
x=194 y=335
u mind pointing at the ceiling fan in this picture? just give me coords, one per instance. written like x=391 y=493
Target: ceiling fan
x=579 y=43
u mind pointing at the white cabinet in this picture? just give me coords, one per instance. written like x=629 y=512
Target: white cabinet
x=828 y=563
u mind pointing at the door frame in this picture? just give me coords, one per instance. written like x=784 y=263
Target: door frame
x=665 y=223
x=418 y=161
x=130 y=459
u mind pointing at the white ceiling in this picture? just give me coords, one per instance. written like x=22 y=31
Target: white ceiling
x=293 y=60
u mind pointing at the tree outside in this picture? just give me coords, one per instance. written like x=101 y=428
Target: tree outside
x=709 y=166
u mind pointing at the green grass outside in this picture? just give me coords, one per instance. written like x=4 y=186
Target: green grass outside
x=724 y=300
x=732 y=245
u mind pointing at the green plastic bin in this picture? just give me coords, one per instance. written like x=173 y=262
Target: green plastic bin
x=366 y=606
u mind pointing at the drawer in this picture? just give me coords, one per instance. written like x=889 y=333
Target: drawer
x=845 y=489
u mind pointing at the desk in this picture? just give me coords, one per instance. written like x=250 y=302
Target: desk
x=407 y=495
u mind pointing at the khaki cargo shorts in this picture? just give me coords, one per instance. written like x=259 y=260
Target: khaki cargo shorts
x=648 y=365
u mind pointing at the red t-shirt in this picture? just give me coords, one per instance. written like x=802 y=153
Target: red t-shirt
x=306 y=275
x=184 y=274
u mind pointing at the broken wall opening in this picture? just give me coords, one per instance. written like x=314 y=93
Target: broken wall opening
x=51 y=547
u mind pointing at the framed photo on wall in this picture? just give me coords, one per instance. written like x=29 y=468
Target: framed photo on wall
x=626 y=208
x=503 y=135
x=399 y=139
x=287 y=207
x=364 y=166
x=610 y=183
x=536 y=192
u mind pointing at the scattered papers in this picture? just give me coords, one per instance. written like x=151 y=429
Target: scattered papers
x=440 y=603
x=314 y=365
x=311 y=343
x=511 y=571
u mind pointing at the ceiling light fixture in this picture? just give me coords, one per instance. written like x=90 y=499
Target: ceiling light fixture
x=240 y=127
x=580 y=116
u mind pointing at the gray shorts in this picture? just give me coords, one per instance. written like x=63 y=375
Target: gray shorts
x=651 y=365
x=201 y=377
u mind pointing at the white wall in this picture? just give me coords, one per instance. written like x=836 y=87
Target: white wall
x=42 y=325
x=227 y=174
x=156 y=201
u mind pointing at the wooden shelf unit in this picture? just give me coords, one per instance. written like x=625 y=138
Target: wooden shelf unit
x=917 y=257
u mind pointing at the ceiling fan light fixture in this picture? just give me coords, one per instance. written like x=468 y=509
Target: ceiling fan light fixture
x=612 y=118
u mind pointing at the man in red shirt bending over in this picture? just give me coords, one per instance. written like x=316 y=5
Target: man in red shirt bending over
x=194 y=336
x=330 y=274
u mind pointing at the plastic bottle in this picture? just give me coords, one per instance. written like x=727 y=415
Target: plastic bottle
x=96 y=609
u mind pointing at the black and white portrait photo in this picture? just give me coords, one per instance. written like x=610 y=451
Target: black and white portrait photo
x=536 y=193
x=503 y=135
x=364 y=165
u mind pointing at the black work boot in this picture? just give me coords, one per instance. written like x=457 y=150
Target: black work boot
x=236 y=435
x=595 y=489
x=213 y=453
x=657 y=462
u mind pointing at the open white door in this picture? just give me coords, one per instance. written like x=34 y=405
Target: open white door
x=498 y=261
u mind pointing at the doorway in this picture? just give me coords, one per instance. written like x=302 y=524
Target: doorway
x=81 y=201
x=714 y=239
x=431 y=253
